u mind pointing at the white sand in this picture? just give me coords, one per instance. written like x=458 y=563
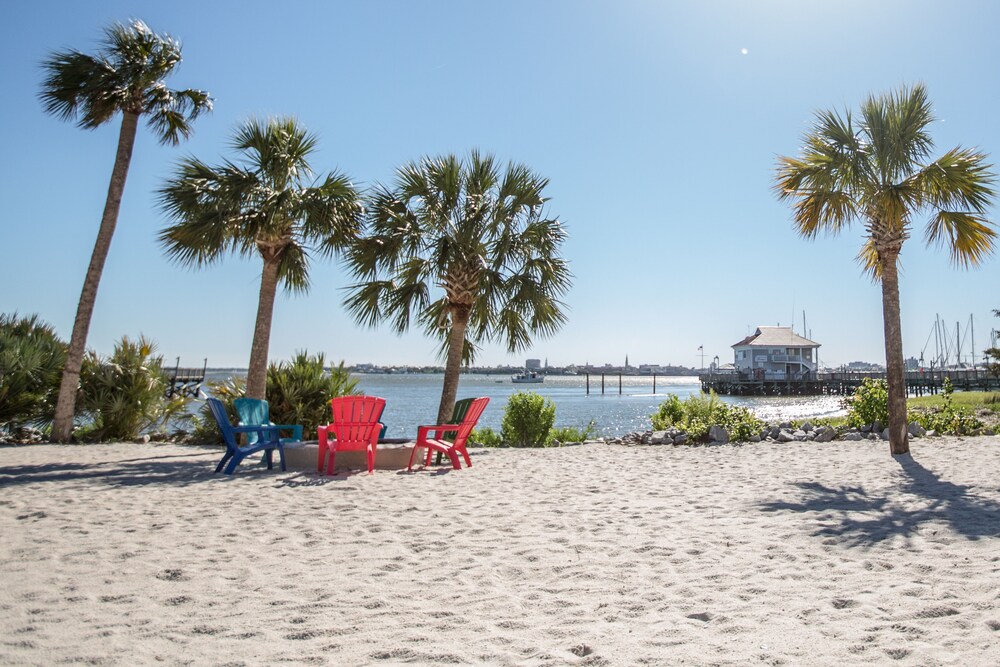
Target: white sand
x=798 y=554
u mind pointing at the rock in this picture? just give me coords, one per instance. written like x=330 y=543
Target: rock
x=885 y=434
x=825 y=434
x=754 y=438
x=658 y=437
x=807 y=427
x=866 y=428
x=785 y=436
x=680 y=438
x=931 y=433
x=916 y=430
x=800 y=435
x=718 y=434
x=852 y=435
x=785 y=425
x=144 y=439
x=877 y=427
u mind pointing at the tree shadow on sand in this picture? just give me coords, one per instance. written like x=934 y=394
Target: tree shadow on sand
x=173 y=469
x=921 y=500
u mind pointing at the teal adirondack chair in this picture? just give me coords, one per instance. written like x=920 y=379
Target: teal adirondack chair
x=255 y=412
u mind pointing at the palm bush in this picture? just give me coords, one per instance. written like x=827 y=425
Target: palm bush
x=527 y=420
x=124 y=395
x=31 y=362
x=299 y=391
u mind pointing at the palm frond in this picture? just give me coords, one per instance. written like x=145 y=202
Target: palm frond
x=969 y=237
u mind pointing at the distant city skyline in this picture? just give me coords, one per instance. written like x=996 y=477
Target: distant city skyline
x=657 y=124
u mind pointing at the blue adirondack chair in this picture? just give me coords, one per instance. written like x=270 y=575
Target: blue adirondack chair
x=256 y=412
x=267 y=440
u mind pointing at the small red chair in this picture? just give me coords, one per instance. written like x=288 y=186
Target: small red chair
x=457 y=445
x=355 y=427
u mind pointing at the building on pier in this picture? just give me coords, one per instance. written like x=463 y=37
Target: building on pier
x=776 y=353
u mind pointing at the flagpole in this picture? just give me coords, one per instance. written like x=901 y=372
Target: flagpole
x=701 y=348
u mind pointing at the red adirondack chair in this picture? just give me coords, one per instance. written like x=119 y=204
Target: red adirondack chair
x=457 y=445
x=355 y=426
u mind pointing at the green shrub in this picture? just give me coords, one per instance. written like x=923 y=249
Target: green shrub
x=124 y=395
x=485 y=437
x=696 y=416
x=527 y=420
x=948 y=419
x=869 y=404
x=299 y=392
x=31 y=362
x=572 y=433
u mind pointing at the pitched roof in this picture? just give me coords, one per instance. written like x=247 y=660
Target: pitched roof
x=775 y=337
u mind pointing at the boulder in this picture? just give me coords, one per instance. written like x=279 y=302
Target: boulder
x=754 y=438
x=852 y=435
x=680 y=438
x=718 y=434
x=800 y=435
x=916 y=430
x=825 y=434
x=885 y=434
x=786 y=425
x=807 y=427
x=658 y=437
x=785 y=436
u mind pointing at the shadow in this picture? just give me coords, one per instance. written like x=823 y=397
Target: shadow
x=174 y=469
x=920 y=501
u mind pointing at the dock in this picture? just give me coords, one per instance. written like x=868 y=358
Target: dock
x=185 y=382
x=842 y=383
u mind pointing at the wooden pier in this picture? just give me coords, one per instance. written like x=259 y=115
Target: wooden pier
x=185 y=382
x=840 y=383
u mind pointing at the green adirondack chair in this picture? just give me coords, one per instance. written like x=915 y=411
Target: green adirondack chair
x=457 y=417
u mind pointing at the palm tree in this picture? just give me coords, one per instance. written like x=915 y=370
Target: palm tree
x=878 y=171
x=264 y=206
x=468 y=252
x=126 y=76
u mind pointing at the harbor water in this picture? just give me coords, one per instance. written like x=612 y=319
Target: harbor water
x=412 y=399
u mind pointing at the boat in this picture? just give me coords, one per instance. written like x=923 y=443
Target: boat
x=527 y=377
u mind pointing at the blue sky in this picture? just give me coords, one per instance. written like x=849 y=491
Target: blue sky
x=658 y=133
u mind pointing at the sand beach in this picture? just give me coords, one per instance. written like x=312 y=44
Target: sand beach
x=794 y=554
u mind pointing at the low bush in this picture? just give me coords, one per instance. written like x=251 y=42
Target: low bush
x=31 y=362
x=527 y=420
x=124 y=395
x=696 y=416
x=868 y=405
x=565 y=434
x=485 y=437
x=947 y=419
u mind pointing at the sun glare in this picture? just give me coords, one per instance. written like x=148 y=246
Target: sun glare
x=744 y=51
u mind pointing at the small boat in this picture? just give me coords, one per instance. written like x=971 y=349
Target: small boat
x=527 y=377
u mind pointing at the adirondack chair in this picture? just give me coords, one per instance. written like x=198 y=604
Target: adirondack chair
x=254 y=411
x=355 y=426
x=455 y=447
x=267 y=440
x=457 y=415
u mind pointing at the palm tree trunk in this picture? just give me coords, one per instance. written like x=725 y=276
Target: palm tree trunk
x=62 y=424
x=456 y=345
x=898 y=436
x=257 y=373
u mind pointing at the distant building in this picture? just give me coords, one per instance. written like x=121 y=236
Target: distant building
x=911 y=364
x=533 y=364
x=776 y=353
